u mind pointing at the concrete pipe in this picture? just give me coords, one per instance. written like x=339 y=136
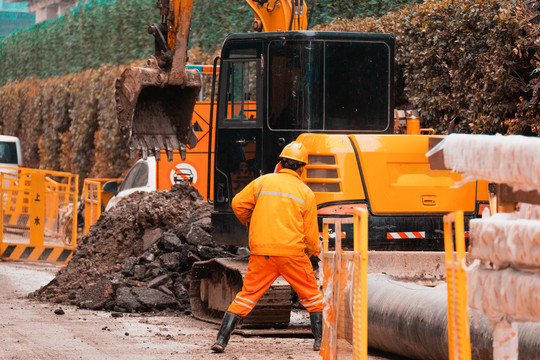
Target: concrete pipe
x=411 y=320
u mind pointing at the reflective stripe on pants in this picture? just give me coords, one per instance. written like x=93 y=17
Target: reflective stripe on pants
x=263 y=271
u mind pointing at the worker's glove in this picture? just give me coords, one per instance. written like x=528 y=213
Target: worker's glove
x=314 y=262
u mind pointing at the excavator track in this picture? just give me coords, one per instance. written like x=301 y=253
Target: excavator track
x=215 y=283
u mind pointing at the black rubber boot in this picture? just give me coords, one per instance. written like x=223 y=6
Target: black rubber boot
x=316 y=329
x=230 y=320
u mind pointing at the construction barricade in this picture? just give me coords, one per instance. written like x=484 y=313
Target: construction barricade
x=39 y=215
x=503 y=270
x=94 y=199
x=345 y=290
x=459 y=338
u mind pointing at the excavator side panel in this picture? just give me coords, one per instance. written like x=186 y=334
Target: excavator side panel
x=390 y=176
x=398 y=178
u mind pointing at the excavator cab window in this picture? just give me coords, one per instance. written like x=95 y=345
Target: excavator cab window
x=330 y=85
x=357 y=86
x=241 y=93
x=239 y=133
x=295 y=95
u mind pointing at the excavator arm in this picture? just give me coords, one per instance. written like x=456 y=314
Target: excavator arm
x=279 y=15
x=155 y=102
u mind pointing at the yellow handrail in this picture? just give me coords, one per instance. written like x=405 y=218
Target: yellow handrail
x=360 y=308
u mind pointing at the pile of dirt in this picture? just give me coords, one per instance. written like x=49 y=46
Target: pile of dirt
x=138 y=255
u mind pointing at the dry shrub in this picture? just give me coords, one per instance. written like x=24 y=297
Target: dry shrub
x=110 y=155
x=67 y=123
x=56 y=122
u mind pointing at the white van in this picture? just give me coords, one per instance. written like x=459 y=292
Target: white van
x=10 y=153
x=141 y=177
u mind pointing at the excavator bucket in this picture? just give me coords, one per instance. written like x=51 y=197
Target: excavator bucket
x=154 y=115
x=155 y=103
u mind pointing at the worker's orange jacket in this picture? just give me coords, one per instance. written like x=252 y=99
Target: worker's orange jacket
x=281 y=215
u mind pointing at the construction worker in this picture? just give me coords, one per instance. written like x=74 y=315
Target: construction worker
x=281 y=215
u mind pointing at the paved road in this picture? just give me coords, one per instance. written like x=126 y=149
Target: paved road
x=31 y=330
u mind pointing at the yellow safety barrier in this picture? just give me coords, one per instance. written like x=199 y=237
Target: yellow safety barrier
x=94 y=199
x=38 y=219
x=345 y=290
x=360 y=308
x=459 y=341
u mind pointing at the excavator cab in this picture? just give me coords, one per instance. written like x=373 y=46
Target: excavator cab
x=275 y=86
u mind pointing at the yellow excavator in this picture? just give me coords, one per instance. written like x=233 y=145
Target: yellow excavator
x=334 y=92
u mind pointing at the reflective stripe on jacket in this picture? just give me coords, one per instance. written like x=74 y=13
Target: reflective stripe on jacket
x=282 y=215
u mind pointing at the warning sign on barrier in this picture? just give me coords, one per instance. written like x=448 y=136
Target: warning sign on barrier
x=38 y=215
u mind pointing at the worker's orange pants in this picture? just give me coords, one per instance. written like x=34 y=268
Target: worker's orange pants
x=263 y=270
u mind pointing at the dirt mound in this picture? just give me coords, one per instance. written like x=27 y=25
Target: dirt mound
x=138 y=255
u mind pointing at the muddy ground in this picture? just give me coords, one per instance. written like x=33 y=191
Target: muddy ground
x=31 y=330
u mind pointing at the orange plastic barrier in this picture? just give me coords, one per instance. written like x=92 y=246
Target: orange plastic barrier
x=38 y=215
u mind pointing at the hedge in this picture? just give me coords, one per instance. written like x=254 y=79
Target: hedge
x=67 y=123
x=94 y=33
x=472 y=61
x=100 y=32
x=476 y=61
